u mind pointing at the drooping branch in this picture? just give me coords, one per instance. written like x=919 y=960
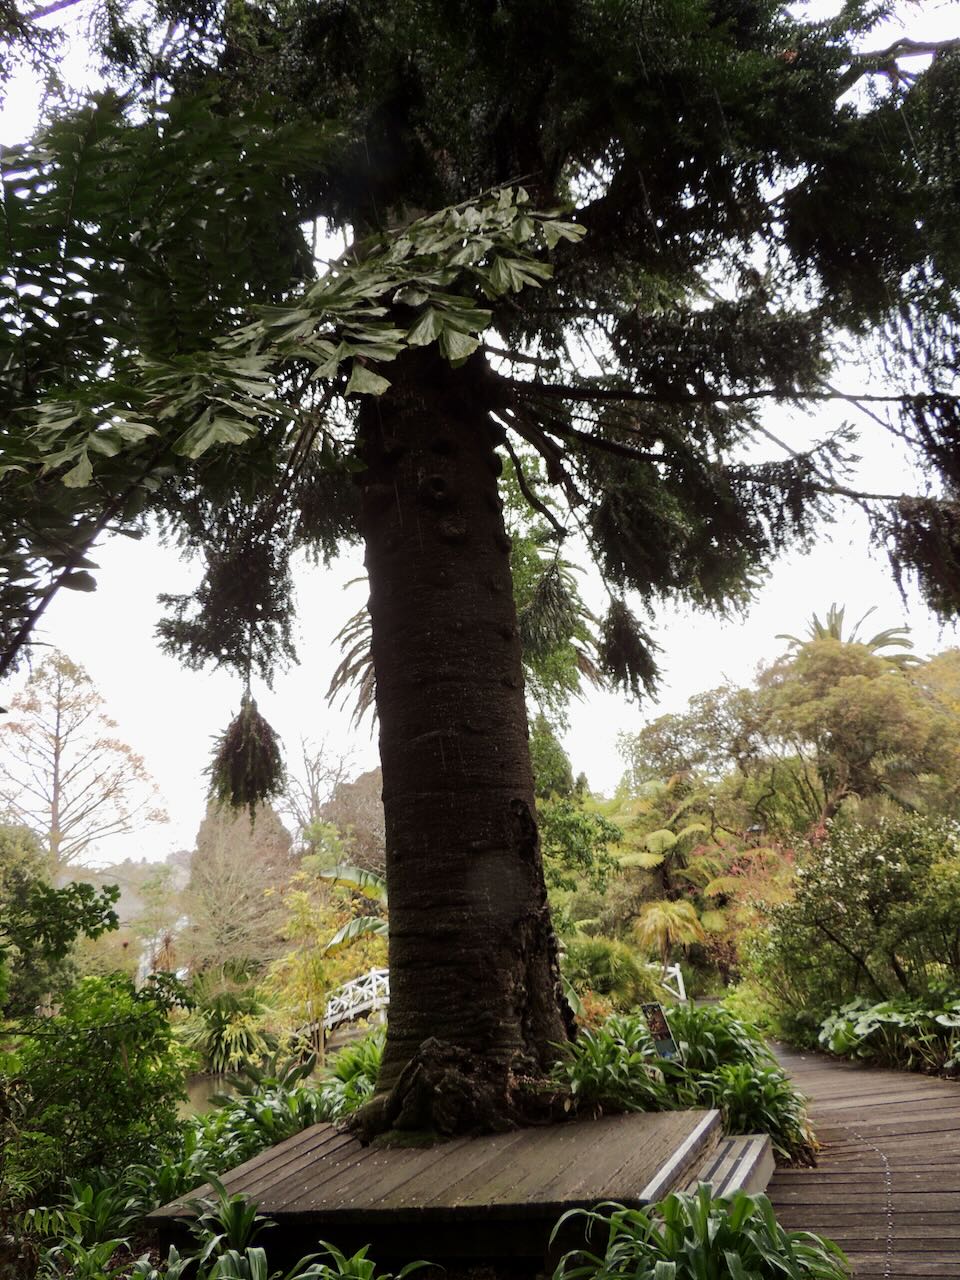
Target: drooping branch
x=605 y=445
x=530 y=496
x=75 y=557
x=45 y=10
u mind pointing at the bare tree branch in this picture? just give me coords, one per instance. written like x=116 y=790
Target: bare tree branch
x=45 y=10
x=565 y=391
x=884 y=61
x=530 y=496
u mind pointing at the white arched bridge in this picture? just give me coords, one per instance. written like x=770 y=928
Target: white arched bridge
x=370 y=995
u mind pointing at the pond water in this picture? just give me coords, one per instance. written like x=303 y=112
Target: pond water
x=200 y=1091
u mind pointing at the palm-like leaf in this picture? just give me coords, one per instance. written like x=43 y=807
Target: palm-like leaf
x=666 y=924
x=359 y=927
x=355 y=674
x=641 y=858
x=832 y=629
x=369 y=883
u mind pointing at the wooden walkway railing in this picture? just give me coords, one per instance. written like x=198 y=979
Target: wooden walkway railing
x=887 y=1187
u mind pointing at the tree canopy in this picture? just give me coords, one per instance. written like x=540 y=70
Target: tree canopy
x=700 y=144
x=831 y=724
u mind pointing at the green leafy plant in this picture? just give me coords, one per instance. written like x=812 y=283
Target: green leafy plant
x=873 y=916
x=352 y=1076
x=917 y=1035
x=610 y=968
x=759 y=1099
x=225 y=1221
x=358 y=1266
x=172 y=1268
x=724 y=1064
x=87 y=1214
x=100 y=1081
x=605 y=1072
x=71 y=1257
x=710 y=1036
x=697 y=1237
x=225 y=1027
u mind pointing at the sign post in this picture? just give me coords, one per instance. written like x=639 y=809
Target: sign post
x=663 y=1040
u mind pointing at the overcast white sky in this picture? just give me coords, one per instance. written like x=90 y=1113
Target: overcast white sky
x=170 y=715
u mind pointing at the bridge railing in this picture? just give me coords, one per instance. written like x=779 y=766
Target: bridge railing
x=370 y=993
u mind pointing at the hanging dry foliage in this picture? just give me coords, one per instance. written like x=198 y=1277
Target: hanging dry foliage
x=626 y=652
x=247 y=765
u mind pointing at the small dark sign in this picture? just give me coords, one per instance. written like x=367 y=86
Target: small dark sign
x=663 y=1040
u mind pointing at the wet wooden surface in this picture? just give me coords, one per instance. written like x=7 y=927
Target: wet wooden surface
x=327 y=1175
x=887 y=1187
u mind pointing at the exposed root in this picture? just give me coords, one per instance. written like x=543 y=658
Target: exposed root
x=446 y=1091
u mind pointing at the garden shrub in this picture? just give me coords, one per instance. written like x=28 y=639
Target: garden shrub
x=725 y=1064
x=915 y=1035
x=760 y=1099
x=89 y=1226
x=612 y=969
x=874 y=916
x=607 y=1071
x=225 y=1027
x=272 y=1101
x=696 y=1237
x=99 y=1083
x=352 y=1076
x=225 y=1229
x=710 y=1036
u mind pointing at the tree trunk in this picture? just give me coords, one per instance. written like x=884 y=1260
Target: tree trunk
x=475 y=997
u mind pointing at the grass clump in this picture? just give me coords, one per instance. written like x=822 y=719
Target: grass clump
x=697 y=1237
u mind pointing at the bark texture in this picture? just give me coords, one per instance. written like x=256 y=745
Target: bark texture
x=475 y=997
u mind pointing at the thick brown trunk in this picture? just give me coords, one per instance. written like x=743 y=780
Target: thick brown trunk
x=475 y=997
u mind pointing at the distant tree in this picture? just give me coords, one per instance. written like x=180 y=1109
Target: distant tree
x=310 y=781
x=552 y=771
x=40 y=924
x=831 y=628
x=233 y=900
x=858 y=721
x=665 y=924
x=939 y=677
x=720 y=727
x=831 y=720
x=355 y=809
x=64 y=773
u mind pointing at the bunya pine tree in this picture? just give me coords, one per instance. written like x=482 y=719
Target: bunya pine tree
x=600 y=234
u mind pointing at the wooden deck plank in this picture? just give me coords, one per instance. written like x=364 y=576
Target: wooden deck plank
x=930 y=1267
x=309 y=1143
x=323 y=1182
x=885 y=1136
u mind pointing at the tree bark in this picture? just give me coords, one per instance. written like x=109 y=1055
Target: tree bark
x=475 y=999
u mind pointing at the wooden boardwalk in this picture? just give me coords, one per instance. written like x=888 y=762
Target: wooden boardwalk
x=497 y=1196
x=887 y=1187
